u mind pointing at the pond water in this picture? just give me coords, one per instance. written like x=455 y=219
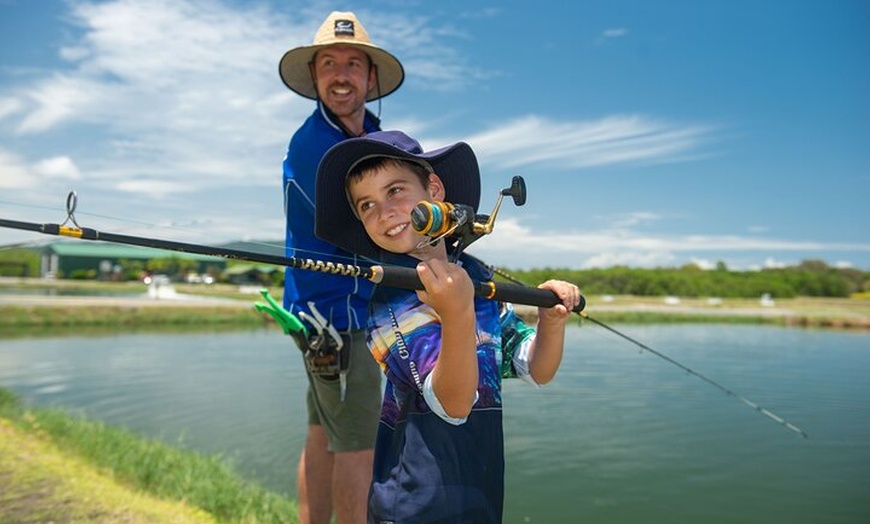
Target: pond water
x=620 y=435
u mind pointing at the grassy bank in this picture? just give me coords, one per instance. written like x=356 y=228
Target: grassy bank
x=128 y=316
x=800 y=320
x=231 y=307
x=36 y=303
x=809 y=312
x=96 y=287
x=58 y=468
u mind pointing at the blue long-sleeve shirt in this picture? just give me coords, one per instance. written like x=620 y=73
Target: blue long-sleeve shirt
x=343 y=300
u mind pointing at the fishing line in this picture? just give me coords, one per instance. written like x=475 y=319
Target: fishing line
x=392 y=276
x=766 y=412
x=112 y=218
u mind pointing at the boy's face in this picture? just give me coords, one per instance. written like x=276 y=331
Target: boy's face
x=383 y=200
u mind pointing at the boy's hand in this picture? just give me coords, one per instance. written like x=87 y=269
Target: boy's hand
x=568 y=293
x=448 y=287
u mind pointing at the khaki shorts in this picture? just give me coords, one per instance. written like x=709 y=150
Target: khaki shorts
x=351 y=425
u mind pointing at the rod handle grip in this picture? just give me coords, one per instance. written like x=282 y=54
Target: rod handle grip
x=407 y=278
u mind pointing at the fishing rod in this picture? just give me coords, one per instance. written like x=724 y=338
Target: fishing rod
x=764 y=411
x=391 y=276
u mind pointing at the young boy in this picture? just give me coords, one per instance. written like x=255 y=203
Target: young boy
x=439 y=455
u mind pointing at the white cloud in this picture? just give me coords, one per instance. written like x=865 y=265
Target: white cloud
x=154 y=188
x=9 y=106
x=187 y=88
x=632 y=219
x=771 y=263
x=703 y=263
x=15 y=174
x=55 y=101
x=621 y=139
x=179 y=103
x=170 y=87
x=615 y=32
x=514 y=245
x=58 y=167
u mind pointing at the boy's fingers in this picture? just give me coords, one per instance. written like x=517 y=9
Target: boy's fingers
x=569 y=294
x=434 y=270
x=430 y=274
x=425 y=274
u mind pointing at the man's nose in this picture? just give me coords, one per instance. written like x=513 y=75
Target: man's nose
x=343 y=71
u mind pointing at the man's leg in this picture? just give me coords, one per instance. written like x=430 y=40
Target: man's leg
x=349 y=426
x=314 y=479
x=350 y=485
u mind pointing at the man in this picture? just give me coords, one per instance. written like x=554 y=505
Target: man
x=341 y=70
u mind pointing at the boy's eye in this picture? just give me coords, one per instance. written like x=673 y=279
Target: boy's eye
x=365 y=206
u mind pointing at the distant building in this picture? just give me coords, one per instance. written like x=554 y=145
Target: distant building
x=250 y=275
x=64 y=258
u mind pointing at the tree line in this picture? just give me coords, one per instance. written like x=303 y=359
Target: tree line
x=812 y=278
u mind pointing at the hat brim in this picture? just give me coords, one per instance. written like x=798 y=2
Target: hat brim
x=296 y=74
x=335 y=221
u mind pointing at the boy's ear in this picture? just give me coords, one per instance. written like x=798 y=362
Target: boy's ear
x=436 y=188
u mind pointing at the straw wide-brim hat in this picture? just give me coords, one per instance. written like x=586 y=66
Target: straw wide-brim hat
x=336 y=222
x=340 y=28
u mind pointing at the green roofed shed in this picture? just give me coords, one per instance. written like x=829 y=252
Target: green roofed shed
x=65 y=258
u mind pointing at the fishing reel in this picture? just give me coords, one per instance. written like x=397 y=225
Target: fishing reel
x=459 y=222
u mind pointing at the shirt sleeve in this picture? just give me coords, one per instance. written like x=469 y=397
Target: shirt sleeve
x=435 y=405
x=516 y=343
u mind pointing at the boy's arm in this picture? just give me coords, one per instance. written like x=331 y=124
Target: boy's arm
x=545 y=354
x=449 y=291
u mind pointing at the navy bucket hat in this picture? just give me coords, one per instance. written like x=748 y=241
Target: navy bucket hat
x=335 y=221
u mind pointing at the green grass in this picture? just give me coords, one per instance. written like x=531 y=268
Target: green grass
x=129 y=316
x=653 y=317
x=83 y=287
x=152 y=467
x=40 y=483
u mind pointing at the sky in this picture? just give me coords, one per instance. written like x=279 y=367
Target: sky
x=649 y=134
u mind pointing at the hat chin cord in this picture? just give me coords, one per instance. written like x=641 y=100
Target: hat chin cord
x=378 y=89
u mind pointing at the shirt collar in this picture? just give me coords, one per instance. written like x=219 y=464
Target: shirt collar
x=371 y=123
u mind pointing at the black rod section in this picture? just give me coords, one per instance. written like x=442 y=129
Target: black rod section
x=400 y=277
